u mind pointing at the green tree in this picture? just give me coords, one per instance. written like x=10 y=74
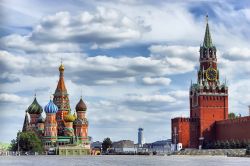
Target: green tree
x=231 y=115
x=28 y=142
x=106 y=144
x=13 y=145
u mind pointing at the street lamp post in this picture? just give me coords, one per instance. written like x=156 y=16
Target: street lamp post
x=175 y=136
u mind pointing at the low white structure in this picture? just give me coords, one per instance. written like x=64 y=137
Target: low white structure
x=124 y=146
x=176 y=147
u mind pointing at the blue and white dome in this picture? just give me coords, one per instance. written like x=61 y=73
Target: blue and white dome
x=50 y=108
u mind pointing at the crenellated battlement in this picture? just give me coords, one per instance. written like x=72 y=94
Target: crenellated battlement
x=233 y=121
x=184 y=119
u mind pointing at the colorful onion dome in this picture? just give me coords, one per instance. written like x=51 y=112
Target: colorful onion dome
x=50 y=108
x=40 y=119
x=35 y=108
x=69 y=118
x=81 y=106
x=81 y=121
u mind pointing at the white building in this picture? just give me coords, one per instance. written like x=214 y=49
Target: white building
x=124 y=146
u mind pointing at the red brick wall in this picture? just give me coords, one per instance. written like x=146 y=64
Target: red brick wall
x=233 y=129
x=183 y=131
x=212 y=108
x=194 y=132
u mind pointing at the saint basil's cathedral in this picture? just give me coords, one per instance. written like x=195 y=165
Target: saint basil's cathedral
x=60 y=128
x=208 y=122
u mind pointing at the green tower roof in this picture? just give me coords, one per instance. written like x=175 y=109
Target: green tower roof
x=35 y=108
x=207 y=39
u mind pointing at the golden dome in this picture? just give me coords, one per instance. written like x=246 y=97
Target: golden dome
x=61 y=68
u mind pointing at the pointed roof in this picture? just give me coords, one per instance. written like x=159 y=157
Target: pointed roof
x=61 y=85
x=61 y=99
x=26 y=122
x=207 y=39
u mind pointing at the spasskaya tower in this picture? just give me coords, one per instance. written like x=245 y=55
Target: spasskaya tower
x=208 y=97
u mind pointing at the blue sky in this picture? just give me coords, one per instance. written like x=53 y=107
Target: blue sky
x=133 y=60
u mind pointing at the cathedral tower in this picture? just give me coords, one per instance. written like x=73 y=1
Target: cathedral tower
x=81 y=123
x=208 y=97
x=50 y=131
x=61 y=100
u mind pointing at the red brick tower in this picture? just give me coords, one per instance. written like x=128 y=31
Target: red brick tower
x=62 y=101
x=208 y=97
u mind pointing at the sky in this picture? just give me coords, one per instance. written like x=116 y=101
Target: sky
x=131 y=60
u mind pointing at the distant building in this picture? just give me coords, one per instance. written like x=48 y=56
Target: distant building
x=125 y=146
x=96 y=144
x=140 y=137
x=162 y=146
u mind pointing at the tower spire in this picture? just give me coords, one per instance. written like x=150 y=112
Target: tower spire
x=207 y=39
x=26 y=122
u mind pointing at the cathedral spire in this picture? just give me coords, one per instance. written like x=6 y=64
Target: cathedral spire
x=26 y=122
x=61 y=95
x=61 y=85
x=207 y=39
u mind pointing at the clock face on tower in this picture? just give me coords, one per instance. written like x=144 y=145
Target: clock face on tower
x=211 y=74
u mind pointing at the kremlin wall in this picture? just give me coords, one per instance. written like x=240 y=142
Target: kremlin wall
x=208 y=122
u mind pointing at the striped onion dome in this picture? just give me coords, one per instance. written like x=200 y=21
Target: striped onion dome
x=50 y=108
x=81 y=106
x=35 y=108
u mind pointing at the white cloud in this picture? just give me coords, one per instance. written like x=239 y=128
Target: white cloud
x=63 y=32
x=150 y=98
x=112 y=70
x=156 y=81
x=237 y=54
x=9 y=61
x=5 y=97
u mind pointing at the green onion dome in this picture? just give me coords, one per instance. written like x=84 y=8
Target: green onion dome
x=69 y=118
x=40 y=119
x=35 y=108
x=81 y=106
